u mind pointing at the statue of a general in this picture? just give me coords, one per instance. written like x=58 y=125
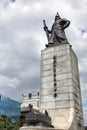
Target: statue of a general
x=57 y=35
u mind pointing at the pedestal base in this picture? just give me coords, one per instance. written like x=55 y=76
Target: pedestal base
x=36 y=128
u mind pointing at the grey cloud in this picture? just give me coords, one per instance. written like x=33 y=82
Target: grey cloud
x=22 y=61
x=85 y=117
x=5 y=3
x=76 y=4
x=84 y=92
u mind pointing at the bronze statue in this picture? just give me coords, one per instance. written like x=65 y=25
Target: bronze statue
x=32 y=117
x=57 y=35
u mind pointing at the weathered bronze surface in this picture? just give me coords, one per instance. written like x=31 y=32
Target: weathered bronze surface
x=37 y=118
x=57 y=35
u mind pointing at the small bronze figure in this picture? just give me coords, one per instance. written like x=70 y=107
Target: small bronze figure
x=57 y=35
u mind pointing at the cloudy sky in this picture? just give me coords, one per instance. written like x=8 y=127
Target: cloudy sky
x=22 y=38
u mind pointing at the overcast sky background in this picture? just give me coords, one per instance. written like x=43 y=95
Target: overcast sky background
x=22 y=38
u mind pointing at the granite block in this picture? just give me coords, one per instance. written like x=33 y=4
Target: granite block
x=66 y=108
x=36 y=128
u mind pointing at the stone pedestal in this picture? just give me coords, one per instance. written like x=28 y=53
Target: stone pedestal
x=60 y=92
x=36 y=128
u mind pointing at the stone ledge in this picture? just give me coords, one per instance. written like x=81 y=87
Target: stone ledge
x=38 y=128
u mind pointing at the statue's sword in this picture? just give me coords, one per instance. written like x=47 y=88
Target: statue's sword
x=47 y=34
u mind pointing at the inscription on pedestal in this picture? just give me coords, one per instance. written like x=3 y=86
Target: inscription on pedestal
x=54 y=75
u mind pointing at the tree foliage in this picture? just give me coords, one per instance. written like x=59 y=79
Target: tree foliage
x=6 y=123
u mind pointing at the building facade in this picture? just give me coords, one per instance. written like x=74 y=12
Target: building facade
x=31 y=98
x=9 y=107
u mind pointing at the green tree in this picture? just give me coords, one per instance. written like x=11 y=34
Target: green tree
x=7 y=124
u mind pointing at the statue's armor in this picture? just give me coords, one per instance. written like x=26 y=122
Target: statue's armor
x=58 y=29
x=58 y=34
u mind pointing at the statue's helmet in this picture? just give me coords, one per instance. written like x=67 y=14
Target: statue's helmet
x=57 y=16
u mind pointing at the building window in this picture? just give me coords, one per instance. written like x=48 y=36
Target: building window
x=37 y=103
x=30 y=96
